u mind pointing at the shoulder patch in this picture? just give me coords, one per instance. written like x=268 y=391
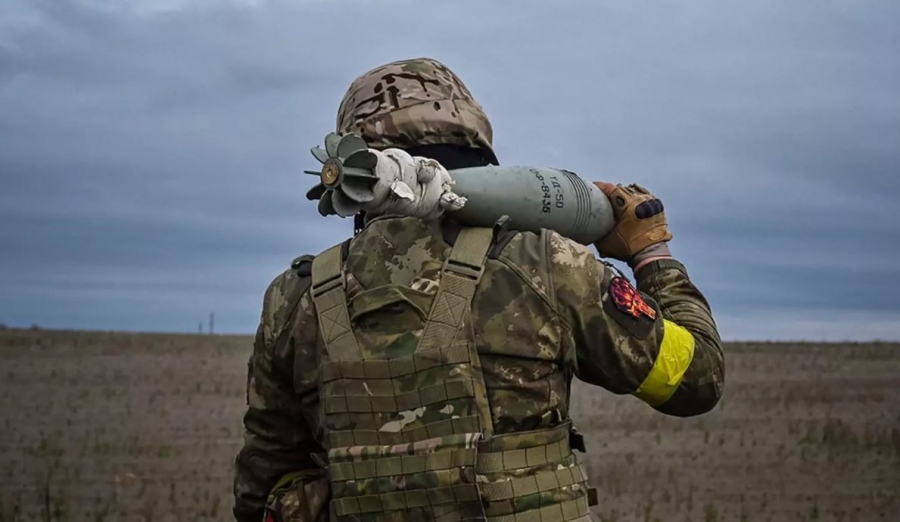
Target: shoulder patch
x=626 y=305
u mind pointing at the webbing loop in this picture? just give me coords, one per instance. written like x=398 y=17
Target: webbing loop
x=457 y=494
x=401 y=465
x=539 y=482
x=373 y=437
x=501 y=461
x=570 y=510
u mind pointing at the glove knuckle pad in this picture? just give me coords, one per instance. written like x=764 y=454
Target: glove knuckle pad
x=648 y=209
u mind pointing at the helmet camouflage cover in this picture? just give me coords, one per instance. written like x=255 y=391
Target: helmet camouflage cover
x=414 y=102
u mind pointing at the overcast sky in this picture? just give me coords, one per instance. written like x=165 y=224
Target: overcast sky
x=151 y=151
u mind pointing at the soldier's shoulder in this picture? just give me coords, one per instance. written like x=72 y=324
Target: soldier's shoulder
x=516 y=246
x=524 y=247
x=299 y=269
x=302 y=265
x=549 y=260
x=565 y=252
x=523 y=253
x=283 y=295
x=299 y=274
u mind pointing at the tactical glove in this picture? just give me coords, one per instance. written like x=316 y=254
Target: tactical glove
x=411 y=186
x=640 y=223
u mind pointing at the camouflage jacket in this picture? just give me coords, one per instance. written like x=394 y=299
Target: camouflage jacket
x=545 y=311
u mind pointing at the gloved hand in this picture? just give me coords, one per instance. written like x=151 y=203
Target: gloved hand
x=641 y=230
x=411 y=186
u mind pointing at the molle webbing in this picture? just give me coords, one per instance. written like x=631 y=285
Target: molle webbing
x=539 y=482
x=541 y=455
x=403 y=431
x=514 y=451
x=370 y=436
x=532 y=476
x=568 y=511
x=390 y=402
x=409 y=425
x=399 y=367
x=403 y=500
x=467 y=512
x=381 y=395
x=402 y=465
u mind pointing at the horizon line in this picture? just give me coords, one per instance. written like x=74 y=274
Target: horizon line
x=38 y=328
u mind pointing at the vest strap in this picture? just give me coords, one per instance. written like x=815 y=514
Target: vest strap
x=331 y=306
x=460 y=276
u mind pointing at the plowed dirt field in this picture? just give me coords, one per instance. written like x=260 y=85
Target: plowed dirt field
x=144 y=427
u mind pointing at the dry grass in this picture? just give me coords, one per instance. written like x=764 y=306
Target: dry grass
x=122 y=427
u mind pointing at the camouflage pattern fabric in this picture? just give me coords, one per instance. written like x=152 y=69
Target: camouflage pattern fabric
x=543 y=313
x=299 y=497
x=412 y=103
x=406 y=414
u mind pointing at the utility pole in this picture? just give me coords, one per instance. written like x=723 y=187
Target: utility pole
x=200 y=328
x=212 y=319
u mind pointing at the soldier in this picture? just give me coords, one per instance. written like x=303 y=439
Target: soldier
x=422 y=370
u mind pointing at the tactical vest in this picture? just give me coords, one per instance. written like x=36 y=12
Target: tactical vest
x=407 y=420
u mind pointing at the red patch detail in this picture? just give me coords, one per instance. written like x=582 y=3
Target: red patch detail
x=627 y=299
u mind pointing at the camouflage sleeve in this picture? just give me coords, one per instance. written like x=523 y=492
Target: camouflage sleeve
x=680 y=301
x=277 y=436
x=657 y=341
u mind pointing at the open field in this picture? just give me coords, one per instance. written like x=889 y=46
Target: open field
x=122 y=427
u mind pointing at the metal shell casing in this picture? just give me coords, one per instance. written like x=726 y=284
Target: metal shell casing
x=533 y=198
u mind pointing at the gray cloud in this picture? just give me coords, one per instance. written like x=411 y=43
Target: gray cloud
x=151 y=157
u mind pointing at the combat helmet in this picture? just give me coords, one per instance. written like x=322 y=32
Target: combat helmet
x=415 y=102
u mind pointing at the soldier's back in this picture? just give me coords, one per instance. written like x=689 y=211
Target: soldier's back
x=441 y=375
x=518 y=334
